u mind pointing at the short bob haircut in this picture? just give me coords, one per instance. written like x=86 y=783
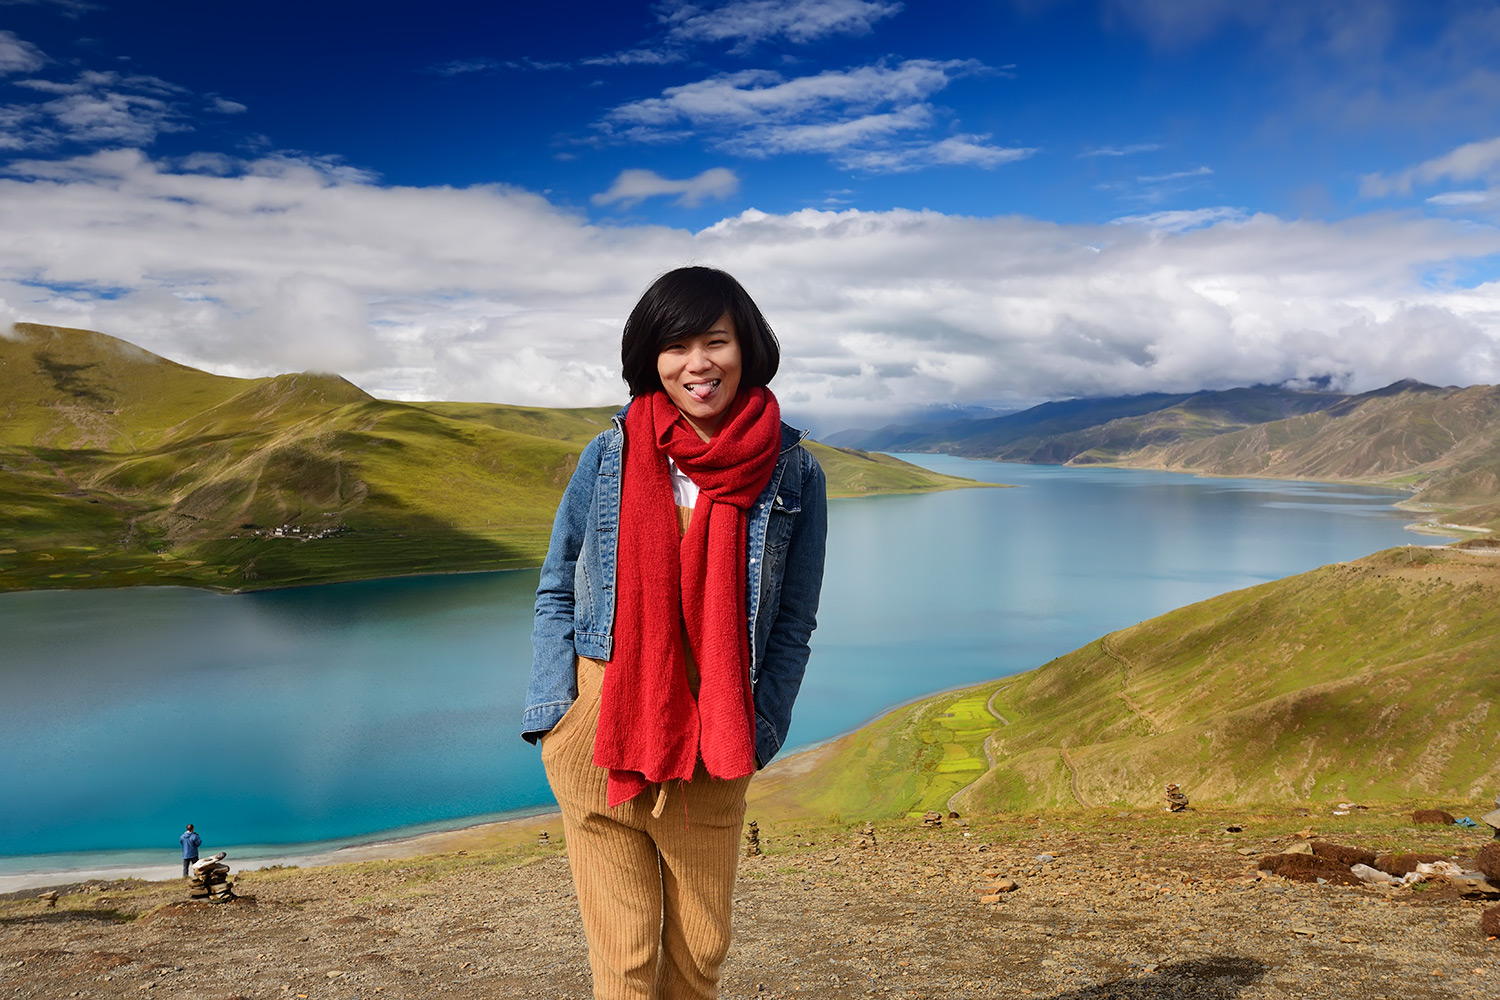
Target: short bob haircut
x=686 y=302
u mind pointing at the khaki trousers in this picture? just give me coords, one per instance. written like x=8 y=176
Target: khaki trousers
x=654 y=876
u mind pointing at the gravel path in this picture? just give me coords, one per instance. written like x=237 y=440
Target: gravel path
x=1114 y=914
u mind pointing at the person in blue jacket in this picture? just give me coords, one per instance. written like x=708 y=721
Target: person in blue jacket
x=673 y=618
x=190 y=844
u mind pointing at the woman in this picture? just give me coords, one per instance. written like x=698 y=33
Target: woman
x=672 y=625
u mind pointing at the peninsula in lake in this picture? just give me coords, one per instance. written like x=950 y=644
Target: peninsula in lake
x=119 y=467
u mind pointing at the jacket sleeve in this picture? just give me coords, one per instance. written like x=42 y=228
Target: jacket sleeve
x=787 y=646
x=554 y=681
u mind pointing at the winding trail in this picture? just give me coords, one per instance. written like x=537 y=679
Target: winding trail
x=1125 y=668
x=1072 y=775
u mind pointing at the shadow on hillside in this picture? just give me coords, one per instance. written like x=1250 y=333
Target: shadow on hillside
x=70 y=378
x=1221 y=977
x=392 y=542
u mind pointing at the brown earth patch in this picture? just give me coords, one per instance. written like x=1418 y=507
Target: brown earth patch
x=1488 y=861
x=1308 y=868
x=1489 y=922
x=1437 y=817
x=1405 y=864
x=1346 y=856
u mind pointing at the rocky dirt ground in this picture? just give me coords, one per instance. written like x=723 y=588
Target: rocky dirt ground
x=1126 y=907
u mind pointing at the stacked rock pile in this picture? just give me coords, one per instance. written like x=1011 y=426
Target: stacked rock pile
x=209 y=879
x=1177 y=800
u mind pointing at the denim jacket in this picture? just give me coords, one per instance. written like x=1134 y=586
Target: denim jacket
x=786 y=532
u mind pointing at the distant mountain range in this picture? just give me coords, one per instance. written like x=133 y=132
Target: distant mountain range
x=120 y=467
x=1441 y=443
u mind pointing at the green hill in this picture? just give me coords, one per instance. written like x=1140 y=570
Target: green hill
x=120 y=467
x=1370 y=681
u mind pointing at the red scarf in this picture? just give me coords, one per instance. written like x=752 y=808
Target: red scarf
x=650 y=727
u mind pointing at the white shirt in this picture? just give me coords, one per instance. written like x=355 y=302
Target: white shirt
x=684 y=490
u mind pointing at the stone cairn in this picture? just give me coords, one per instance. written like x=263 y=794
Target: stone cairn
x=209 y=879
x=752 y=840
x=932 y=819
x=543 y=840
x=1176 y=800
x=865 y=838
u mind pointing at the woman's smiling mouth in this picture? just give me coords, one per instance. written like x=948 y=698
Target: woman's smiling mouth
x=702 y=390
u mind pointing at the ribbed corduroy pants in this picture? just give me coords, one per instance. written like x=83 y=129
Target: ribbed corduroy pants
x=654 y=876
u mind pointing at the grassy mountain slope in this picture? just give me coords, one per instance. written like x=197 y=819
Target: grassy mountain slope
x=1368 y=681
x=1444 y=442
x=121 y=467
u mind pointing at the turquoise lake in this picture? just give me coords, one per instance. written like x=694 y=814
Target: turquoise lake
x=341 y=712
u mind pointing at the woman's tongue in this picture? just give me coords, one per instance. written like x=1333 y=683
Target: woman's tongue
x=703 y=390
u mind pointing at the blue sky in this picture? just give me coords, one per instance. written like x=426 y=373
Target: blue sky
x=993 y=202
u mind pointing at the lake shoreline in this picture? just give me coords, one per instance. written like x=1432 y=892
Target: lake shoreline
x=458 y=839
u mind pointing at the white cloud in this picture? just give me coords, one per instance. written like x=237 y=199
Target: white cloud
x=864 y=118
x=832 y=137
x=1140 y=147
x=96 y=108
x=492 y=292
x=975 y=150
x=1471 y=161
x=1176 y=175
x=227 y=107
x=633 y=186
x=1463 y=198
x=745 y=24
x=636 y=57
x=749 y=22
x=18 y=55
x=754 y=96
x=958 y=150
x=1181 y=221
x=460 y=67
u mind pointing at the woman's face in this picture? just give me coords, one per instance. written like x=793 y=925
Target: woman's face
x=701 y=374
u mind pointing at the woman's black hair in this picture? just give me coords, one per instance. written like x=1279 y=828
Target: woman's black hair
x=686 y=302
